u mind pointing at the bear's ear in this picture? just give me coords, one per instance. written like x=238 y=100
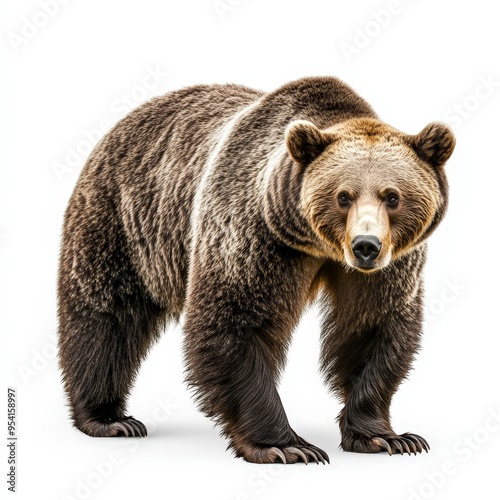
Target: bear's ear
x=434 y=144
x=305 y=141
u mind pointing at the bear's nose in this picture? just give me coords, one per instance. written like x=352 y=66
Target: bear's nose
x=366 y=248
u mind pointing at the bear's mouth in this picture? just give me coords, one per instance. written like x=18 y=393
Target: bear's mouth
x=365 y=266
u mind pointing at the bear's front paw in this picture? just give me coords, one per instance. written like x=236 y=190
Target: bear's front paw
x=301 y=452
x=405 y=443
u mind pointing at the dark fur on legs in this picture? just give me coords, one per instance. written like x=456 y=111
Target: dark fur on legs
x=236 y=343
x=364 y=365
x=107 y=324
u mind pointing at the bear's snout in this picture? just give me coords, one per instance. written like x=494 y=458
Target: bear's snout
x=366 y=248
x=367 y=245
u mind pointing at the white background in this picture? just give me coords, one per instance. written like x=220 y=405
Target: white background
x=82 y=68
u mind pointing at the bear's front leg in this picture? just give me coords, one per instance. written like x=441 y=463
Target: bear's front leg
x=235 y=345
x=365 y=369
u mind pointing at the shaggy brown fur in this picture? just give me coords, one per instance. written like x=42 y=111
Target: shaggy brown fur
x=237 y=208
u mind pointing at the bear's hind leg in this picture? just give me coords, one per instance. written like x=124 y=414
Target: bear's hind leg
x=100 y=354
x=107 y=320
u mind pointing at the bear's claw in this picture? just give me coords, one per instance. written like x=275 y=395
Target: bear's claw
x=301 y=452
x=405 y=443
x=126 y=427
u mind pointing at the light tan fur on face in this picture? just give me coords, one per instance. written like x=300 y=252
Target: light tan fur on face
x=368 y=217
x=368 y=159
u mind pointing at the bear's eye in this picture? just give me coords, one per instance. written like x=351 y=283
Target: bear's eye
x=392 y=199
x=343 y=199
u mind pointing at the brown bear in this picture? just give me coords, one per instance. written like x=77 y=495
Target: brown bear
x=237 y=209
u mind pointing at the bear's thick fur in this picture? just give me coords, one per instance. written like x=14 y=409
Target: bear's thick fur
x=238 y=209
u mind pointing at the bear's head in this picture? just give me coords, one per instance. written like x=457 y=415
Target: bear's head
x=370 y=192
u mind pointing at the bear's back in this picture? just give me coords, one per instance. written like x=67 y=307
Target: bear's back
x=148 y=168
x=140 y=180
